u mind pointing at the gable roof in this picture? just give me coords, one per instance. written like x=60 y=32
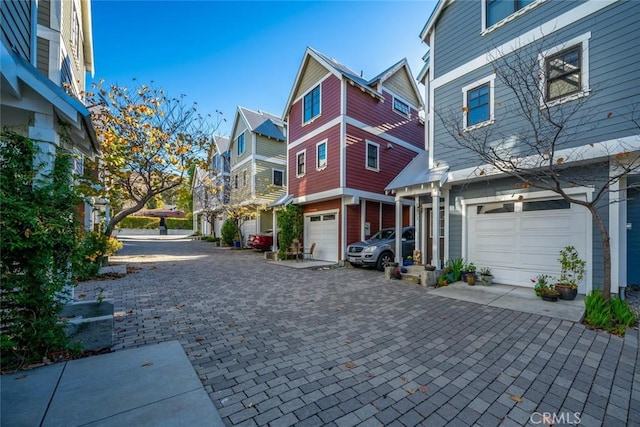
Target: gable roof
x=343 y=72
x=260 y=122
x=333 y=66
x=222 y=143
x=437 y=11
x=417 y=172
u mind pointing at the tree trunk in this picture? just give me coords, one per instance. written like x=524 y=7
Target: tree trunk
x=606 y=252
x=121 y=215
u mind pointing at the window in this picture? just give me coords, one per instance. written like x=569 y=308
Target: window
x=566 y=71
x=240 y=144
x=563 y=75
x=321 y=155
x=311 y=104
x=78 y=162
x=235 y=181
x=401 y=107
x=301 y=162
x=545 y=205
x=75 y=34
x=478 y=105
x=497 y=10
x=278 y=177
x=244 y=177
x=373 y=156
x=494 y=208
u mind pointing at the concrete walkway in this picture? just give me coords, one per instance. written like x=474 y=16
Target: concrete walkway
x=514 y=298
x=147 y=386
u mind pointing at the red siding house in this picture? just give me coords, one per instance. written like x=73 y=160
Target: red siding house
x=348 y=137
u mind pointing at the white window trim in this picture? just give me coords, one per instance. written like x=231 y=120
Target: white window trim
x=465 y=90
x=326 y=153
x=393 y=106
x=366 y=156
x=245 y=179
x=319 y=85
x=273 y=172
x=514 y=15
x=583 y=41
x=304 y=153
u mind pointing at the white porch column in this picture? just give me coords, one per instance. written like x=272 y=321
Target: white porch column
x=398 y=258
x=44 y=133
x=363 y=218
x=418 y=225
x=274 y=247
x=423 y=237
x=617 y=235
x=435 y=227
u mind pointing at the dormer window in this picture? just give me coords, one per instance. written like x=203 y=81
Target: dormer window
x=311 y=104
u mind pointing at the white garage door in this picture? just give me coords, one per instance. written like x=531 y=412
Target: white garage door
x=519 y=240
x=248 y=227
x=322 y=229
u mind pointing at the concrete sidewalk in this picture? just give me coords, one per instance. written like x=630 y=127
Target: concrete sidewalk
x=146 y=386
x=514 y=298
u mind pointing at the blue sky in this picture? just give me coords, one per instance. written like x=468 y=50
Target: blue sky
x=225 y=54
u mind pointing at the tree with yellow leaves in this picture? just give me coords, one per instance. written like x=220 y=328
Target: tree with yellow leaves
x=148 y=142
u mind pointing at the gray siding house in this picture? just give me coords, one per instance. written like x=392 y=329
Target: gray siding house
x=46 y=50
x=584 y=59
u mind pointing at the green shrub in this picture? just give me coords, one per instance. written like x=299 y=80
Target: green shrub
x=598 y=311
x=179 y=224
x=140 y=222
x=229 y=232
x=614 y=315
x=291 y=223
x=87 y=259
x=39 y=223
x=622 y=313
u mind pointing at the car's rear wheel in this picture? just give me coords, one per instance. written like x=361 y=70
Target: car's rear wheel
x=384 y=260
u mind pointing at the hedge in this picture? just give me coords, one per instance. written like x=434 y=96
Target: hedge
x=140 y=222
x=179 y=223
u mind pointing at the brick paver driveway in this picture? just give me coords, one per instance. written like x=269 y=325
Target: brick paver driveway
x=279 y=346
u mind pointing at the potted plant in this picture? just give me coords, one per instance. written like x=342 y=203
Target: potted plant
x=572 y=270
x=541 y=282
x=485 y=276
x=549 y=293
x=471 y=274
x=408 y=261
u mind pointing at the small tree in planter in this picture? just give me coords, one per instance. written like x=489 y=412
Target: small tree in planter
x=572 y=270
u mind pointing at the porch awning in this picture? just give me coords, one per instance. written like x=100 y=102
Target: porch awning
x=283 y=200
x=417 y=172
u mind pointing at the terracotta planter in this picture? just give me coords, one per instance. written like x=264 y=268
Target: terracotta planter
x=471 y=279
x=566 y=292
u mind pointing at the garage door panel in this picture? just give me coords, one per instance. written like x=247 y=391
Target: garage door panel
x=322 y=229
x=518 y=245
x=496 y=225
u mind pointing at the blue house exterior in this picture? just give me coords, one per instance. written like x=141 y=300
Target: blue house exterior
x=588 y=57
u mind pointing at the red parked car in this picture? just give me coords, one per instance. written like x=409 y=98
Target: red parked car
x=263 y=242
